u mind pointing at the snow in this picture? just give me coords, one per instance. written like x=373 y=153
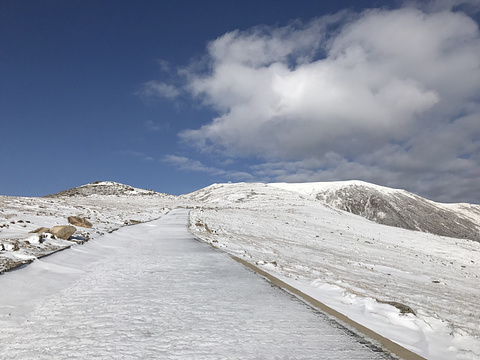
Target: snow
x=152 y=291
x=132 y=190
x=19 y=215
x=318 y=248
x=341 y=259
x=471 y=211
x=395 y=207
x=312 y=188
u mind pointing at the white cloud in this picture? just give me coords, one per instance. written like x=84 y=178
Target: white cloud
x=189 y=165
x=137 y=154
x=383 y=73
x=393 y=94
x=442 y=5
x=153 y=126
x=164 y=65
x=158 y=89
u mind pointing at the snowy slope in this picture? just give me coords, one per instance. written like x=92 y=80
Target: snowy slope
x=349 y=263
x=395 y=207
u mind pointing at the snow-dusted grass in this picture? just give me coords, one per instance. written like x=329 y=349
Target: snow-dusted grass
x=349 y=263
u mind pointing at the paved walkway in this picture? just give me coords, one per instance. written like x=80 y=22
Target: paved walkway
x=153 y=292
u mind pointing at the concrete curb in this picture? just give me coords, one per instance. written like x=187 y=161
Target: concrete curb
x=385 y=343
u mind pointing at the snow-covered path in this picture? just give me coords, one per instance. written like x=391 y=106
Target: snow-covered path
x=151 y=291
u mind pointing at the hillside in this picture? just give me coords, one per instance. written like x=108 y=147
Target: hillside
x=394 y=207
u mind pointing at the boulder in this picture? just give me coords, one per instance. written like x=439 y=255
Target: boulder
x=63 y=231
x=79 y=221
x=40 y=230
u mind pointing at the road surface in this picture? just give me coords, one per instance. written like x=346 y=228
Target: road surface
x=151 y=291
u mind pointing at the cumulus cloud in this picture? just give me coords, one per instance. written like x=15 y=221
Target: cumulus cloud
x=390 y=96
x=382 y=74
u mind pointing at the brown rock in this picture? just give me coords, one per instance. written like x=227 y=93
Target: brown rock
x=79 y=221
x=40 y=230
x=63 y=231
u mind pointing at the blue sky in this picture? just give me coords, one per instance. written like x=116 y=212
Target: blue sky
x=176 y=95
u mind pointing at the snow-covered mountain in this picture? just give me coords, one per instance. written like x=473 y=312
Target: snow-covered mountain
x=394 y=207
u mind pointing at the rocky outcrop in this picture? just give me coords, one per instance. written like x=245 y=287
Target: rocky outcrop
x=79 y=221
x=63 y=231
x=401 y=209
